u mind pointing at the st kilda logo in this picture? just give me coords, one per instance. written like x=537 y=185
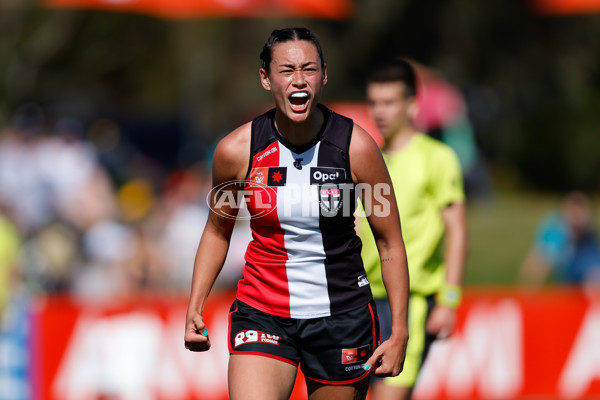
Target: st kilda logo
x=328 y=179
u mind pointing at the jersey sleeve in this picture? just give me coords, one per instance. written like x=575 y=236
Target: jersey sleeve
x=446 y=178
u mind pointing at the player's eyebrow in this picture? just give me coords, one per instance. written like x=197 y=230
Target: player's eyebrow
x=306 y=64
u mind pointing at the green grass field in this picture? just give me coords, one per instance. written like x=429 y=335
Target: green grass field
x=501 y=229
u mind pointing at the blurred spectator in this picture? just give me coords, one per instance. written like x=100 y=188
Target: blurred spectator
x=55 y=189
x=43 y=176
x=110 y=248
x=22 y=187
x=80 y=189
x=10 y=243
x=185 y=211
x=49 y=257
x=85 y=213
x=122 y=255
x=566 y=248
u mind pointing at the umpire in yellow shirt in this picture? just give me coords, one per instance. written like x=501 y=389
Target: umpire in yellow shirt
x=429 y=191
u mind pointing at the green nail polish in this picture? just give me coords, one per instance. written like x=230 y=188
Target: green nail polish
x=205 y=332
x=366 y=367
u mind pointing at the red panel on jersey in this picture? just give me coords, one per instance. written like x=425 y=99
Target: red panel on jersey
x=267 y=249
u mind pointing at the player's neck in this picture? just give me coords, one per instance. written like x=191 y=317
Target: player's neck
x=400 y=140
x=300 y=133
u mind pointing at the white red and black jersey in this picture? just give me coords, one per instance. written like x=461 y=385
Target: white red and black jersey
x=304 y=258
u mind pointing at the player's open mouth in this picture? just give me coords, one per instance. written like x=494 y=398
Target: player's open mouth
x=298 y=100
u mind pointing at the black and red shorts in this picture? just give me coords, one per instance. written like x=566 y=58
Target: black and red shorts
x=330 y=350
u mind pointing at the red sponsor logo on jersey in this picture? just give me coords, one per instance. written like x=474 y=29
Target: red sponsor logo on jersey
x=359 y=354
x=258 y=176
x=349 y=356
x=253 y=336
x=268 y=176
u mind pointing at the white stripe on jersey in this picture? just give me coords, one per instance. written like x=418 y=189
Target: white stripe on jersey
x=298 y=212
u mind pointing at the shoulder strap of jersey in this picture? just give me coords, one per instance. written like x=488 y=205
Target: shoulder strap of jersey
x=339 y=130
x=262 y=132
x=261 y=135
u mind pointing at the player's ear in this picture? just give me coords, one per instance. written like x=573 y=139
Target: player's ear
x=413 y=107
x=264 y=79
x=324 y=74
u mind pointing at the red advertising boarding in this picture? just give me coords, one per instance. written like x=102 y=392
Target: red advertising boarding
x=509 y=344
x=565 y=7
x=517 y=344
x=330 y=9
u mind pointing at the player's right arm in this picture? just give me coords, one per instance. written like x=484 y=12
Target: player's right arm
x=230 y=163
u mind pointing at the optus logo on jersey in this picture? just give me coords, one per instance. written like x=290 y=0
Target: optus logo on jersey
x=263 y=194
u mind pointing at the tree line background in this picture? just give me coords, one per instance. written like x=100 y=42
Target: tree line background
x=532 y=82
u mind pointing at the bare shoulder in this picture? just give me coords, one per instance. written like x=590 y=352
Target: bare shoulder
x=232 y=154
x=362 y=144
x=364 y=153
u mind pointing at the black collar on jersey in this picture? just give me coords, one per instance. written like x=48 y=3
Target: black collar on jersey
x=302 y=148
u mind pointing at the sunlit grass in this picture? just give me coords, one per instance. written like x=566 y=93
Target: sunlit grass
x=501 y=229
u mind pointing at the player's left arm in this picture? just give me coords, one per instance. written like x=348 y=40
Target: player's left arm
x=369 y=168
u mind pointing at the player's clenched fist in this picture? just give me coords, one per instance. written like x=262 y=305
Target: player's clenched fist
x=196 y=336
x=388 y=358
